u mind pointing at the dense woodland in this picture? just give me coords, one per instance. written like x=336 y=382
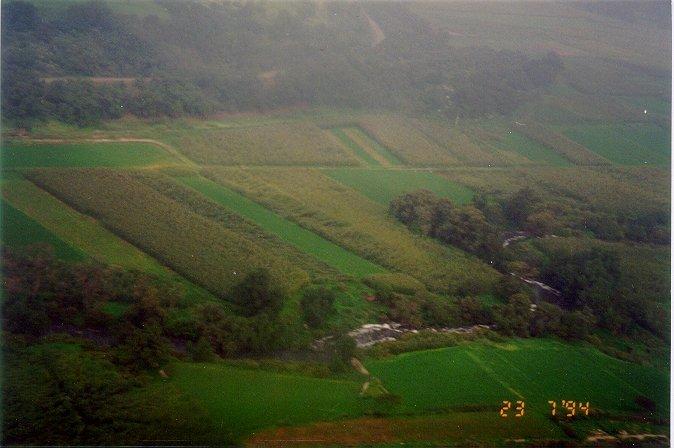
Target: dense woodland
x=246 y=57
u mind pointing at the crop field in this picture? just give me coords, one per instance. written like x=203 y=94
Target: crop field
x=383 y=186
x=408 y=144
x=196 y=247
x=466 y=148
x=371 y=147
x=84 y=235
x=532 y=150
x=99 y=154
x=367 y=158
x=625 y=144
x=18 y=230
x=288 y=231
x=569 y=149
x=299 y=143
x=342 y=215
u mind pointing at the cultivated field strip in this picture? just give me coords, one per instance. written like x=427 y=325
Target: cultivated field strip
x=405 y=141
x=571 y=150
x=86 y=235
x=108 y=153
x=194 y=246
x=300 y=238
x=383 y=155
x=20 y=231
x=367 y=158
x=342 y=215
x=271 y=144
x=384 y=185
x=461 y=146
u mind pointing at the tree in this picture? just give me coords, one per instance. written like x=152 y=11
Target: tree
x=255 y=294
x=317 y=304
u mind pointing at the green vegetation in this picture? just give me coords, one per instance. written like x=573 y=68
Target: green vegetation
x=625 y=144
x=18 y=231
x=383 y=186
x=370 y=146
x=305 y=240
x=239 y=401
x=567 y=148
x=29 y=155
x=532 y=150
x=534 y=371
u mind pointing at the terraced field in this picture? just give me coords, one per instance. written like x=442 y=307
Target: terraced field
x=338 y=213
x=100 y=154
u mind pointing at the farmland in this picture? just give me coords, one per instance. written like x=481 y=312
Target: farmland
x=383 y=186
x=113 y=198
x=268 y=144
x=22 y=155
x=354 y=222
x=438 y=381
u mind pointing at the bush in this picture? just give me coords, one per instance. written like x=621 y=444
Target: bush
x=317 y=304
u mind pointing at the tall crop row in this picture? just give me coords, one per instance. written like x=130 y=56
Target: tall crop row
x=200 y=249
x=274 y=144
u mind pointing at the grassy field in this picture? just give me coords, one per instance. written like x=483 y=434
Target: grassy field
x=18 y=231
x=531 y=370
x=196 y=247
x=565 y=147
x=29 y=155
x=464 y=385
x=383 y=186
x=239 y=401
x=625 y=144
x=84 y=234
x=531 y=149
x=309 y=242
x=338 y=213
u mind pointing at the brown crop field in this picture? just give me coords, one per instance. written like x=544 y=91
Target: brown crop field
x=271 y=144
x=340 y=214
x=408 y=143
x=199 y=248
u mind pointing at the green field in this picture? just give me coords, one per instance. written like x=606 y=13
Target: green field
x=29 y=155
x=534 y=371
x=239 y=401
x=532 y=150
x=18 y=230
x=384 y=185
x=625 y=144
x=361 y=139
x=309 y=242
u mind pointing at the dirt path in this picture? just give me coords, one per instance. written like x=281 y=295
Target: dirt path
x=377 y=33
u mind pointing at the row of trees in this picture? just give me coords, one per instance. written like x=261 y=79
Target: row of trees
x=204 y=57
x=594 y=287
